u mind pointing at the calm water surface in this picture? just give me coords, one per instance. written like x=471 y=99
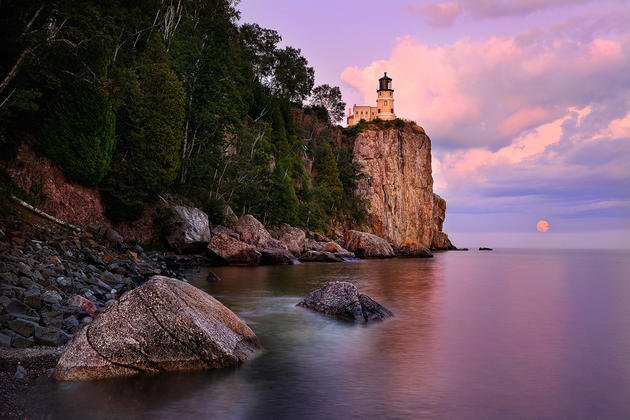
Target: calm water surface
x=504 y=334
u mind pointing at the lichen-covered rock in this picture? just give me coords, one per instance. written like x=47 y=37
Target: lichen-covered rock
x=164 y=325
x=340 y=299
x=398 y=185
x=191 y=230
x=367 y=245
x=232 y=251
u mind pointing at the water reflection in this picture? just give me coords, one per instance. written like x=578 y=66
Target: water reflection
x=504 y=334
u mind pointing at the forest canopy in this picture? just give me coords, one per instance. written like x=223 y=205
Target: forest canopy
x=145 y=97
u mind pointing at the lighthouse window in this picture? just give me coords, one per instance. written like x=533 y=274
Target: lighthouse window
x=385 y=103
x=379 y=110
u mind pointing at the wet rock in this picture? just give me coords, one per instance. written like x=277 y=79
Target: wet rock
x=113 y=237
x=342 y=300
x=233 y=251
x=5 y=340
x=50 y=336
x=23 y=327
x=22 y=342
x=83 y=303
x=18 y=308
x=32 y=298
x=52 y=318
x=20 y=373
x=367 y=245
x=414 y=251
x=320 y=256
x=212 y=277
x=277 y=256
x=53 y=259
x=164 y=325
x=191 y=232
x=50 y=296
x=70 y=323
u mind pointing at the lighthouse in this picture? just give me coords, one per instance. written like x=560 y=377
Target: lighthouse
x=384 y=109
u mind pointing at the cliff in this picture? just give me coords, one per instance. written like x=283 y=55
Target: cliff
x=395 y=160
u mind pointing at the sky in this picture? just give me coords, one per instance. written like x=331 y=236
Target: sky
x=527 y=103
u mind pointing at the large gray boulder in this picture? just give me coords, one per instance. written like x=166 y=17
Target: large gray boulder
x=367 y=245
x=163 y=325
x=191 y=230
x=340 y=299
x=232 y=251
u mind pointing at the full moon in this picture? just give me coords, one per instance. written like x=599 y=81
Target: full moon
x=542 y=226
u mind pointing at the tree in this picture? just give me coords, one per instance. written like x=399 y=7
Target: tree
x=329 y=98
x=78 y=132
x=294 y=79
x=148 y=160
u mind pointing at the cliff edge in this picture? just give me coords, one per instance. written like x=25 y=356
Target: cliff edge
x=397 y=182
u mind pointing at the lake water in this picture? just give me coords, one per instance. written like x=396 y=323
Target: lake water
x=503 y=334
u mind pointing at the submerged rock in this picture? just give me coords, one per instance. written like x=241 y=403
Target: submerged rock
x=340 y=299
x=367 y=245
x=164 y=325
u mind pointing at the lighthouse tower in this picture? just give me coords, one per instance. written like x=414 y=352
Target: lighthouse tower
x=385 y=99
x=384 y=109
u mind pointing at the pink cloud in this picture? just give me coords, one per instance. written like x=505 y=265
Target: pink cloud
x=485 y=92
x=443 y=14
x=438 y=15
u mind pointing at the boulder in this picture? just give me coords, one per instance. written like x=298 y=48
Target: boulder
x=293 y=238
x=163 y=325
x=320 y=256
x=233 y=251
x=340 y=299
x=367 y=245
x=441 y=242
x=217 y=230
x=277 y=256
x=413 y=250
x=191 y=230
x=252 y=232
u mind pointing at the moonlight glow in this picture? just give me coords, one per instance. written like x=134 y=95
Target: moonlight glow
x=542 y=226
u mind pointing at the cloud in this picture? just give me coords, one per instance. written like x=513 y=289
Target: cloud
x=561 y=168
x=438 y=15
x=443 y=14
x=485 y=92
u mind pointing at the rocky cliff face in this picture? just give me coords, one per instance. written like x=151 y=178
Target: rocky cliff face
x=398 y=186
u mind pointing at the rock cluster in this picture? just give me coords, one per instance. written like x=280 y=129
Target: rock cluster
x=53 y=281
x=249 y=243
x=340 y=299
x=163 y=325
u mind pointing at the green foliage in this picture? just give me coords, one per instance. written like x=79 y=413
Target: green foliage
x=78 y=132
x=148 y=159
x=198 y=104
x=329 y=98
x=293 y=78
